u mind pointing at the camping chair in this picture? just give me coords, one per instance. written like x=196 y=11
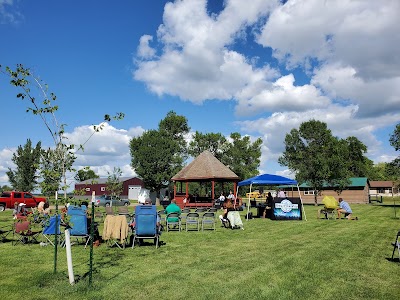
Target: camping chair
x=78 y=223
x=4 y=231
x=123 y=210
x=146 y=224
x=208 y=219
x=174 y=220
x=49 y=230
x=330 y=213
x=109 y=211
x=24 y=233
x=234 y=220
x=395 y=245
x=115 y=231
x=212 y=209
x=192 y=219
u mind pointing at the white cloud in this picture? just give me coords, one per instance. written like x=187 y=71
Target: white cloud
x=144 y=49
x=8 y=13
x=282 y=95
x=362 y=34
x=196 y=63
x=374 y=97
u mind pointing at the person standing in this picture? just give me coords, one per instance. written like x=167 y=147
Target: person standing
x=344 y=208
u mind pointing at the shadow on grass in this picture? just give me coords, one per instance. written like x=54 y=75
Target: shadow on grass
x=393 y=259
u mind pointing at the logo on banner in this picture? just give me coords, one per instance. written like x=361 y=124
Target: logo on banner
x=286 y=205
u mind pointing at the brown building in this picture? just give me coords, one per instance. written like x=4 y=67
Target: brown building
x=382 y=188
x=131 y=186
x=356 y=192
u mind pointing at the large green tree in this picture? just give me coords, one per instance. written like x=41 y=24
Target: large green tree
x=242 y=155
x=85 y=174
x=216 y=143
x=358 y=164
x=27 y=160
x=158 y=155
x=393 y=168
x=316 y=157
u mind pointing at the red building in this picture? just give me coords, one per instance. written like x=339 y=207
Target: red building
x=99 y=186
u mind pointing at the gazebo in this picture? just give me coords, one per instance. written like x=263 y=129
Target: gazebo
x=205 y=168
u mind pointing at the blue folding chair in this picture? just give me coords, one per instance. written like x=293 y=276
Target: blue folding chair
x=78 y=220
x=146 y=224
x=49 y=230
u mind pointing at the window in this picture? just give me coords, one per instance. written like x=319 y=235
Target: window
x=28 y=196
x=87 y=189
x=309 y=192
x=103 y=188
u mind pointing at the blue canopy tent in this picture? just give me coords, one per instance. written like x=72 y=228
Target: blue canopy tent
x=269 y=179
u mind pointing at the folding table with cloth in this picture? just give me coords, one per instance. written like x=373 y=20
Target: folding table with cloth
x=115 y=230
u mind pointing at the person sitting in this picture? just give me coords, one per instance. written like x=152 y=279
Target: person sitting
x=173 y=208
x=228 y=207
x=268 y=203
x=344 y=208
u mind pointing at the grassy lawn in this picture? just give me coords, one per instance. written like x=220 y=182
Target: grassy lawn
x=314 y=259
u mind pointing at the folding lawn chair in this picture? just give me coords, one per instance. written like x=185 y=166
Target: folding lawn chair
x=208 y=219
x=123 y=210
x=78 y=223
x=4 y=231
x=49 y=230
x=146 y=224
x=174 y=221
x=24 y=233
x=192 y=220
x=396 y=245
x=115 y=231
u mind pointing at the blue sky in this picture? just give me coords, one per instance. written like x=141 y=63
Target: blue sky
x=259 y=68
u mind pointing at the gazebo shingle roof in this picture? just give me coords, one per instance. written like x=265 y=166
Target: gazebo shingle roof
x=205 y=166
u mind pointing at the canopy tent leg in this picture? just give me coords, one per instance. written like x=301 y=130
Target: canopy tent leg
x=248 y=204
x=301 y=201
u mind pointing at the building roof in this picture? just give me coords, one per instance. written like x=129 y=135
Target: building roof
x=203 y=167
x=381 y=184
x=103 y=180
x=354 y=182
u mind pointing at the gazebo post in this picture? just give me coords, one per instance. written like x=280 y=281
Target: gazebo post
x=187 y=190
x=212 y=189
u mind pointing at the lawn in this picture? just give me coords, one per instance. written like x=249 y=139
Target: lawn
x=313 y=259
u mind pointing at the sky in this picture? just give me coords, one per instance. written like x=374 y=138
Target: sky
x=259 y=68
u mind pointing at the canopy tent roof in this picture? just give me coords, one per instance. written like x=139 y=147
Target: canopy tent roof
x=268 y=179
x=205 y=167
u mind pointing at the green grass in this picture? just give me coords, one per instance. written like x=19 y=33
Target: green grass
x=314 y=259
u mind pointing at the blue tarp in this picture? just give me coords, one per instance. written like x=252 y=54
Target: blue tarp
x=268 y=179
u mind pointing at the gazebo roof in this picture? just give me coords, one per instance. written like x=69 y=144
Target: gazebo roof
x=204 y=167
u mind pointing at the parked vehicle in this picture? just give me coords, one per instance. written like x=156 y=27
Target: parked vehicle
x=8 y=199
x=107 y=200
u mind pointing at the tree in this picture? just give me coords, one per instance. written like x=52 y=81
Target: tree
x=393 y=168
x=27 y=159
x=114 y=184
x=45 y=108
x=242 y=156
x=358 y=164
x=216 y=143
x=5 y=188
x=158 y=155
x=85 y=174
x=316 y=157
x=155 y=159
